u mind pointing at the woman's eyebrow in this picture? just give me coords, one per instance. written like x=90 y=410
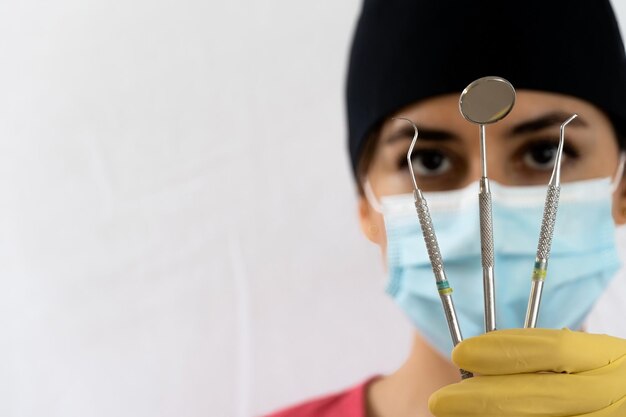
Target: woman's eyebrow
x=407 y=132
x=543 y=122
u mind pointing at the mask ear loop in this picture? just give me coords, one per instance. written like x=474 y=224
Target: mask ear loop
x=617 y=179
x=371 y=197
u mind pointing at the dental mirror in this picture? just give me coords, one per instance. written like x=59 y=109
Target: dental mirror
x=487 y=100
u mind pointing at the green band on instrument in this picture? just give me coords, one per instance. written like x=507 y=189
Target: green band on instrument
x=540 y=271
x=444 y=287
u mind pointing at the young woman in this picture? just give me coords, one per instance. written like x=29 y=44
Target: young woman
x=412 y=59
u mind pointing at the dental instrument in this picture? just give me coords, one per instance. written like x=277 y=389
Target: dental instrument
x=545 y=235
x=485 y=101
x=434 y=254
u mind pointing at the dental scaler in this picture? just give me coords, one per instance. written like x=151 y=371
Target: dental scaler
x=545 y=235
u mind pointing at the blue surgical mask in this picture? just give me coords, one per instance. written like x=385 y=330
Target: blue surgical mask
x=583 y=259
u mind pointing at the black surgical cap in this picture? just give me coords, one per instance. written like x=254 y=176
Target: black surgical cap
x=404 y=51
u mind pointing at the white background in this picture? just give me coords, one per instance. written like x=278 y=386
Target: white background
x=178 y=232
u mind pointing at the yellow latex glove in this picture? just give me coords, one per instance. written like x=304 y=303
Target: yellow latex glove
x=537 y=372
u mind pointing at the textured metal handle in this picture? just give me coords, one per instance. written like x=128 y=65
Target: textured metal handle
x=543 y=253
x=429 y=234
x=487 y=254
x=486 y=229
x=436 y=262
x=547 y=223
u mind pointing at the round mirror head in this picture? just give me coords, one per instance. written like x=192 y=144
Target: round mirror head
x=487 y=100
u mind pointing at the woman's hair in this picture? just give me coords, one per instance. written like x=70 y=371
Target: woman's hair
x=620 y=131
x=365 y=158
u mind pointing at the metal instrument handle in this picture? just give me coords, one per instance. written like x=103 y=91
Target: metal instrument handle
x=543 y=254
x=436 y=262
x=547 y=223
x=486 y=224
x=430 y=239
x=487 y=254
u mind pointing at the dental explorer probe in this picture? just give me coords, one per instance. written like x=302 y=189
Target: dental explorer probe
x=545 y=235
x=484 y=101
x=434 y=254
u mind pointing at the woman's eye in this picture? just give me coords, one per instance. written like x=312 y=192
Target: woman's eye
x=430 y=163
x=541 y=156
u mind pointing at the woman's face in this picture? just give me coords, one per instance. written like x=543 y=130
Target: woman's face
x=520 y=150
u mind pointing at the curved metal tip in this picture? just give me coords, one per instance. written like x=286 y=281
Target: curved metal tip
x=572 y=117
x=555 y=179
x=408 y=155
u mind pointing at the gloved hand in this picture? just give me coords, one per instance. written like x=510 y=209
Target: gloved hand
x=537 y=372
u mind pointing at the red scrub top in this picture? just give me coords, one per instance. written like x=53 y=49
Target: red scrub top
x=347 y=403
